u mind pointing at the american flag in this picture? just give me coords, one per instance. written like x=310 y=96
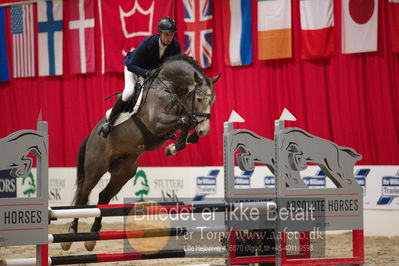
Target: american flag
x=23 y=47
x=198 y=33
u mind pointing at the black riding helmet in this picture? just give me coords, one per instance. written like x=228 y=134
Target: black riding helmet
x=167 y=24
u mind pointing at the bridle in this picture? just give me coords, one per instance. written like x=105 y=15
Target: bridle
x=193 y=113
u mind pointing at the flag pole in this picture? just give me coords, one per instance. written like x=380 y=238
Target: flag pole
x=18 y=3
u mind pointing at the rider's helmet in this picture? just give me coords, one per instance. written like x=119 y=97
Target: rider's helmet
x=167 y=24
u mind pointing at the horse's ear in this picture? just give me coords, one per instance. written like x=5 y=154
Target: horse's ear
x=214 y=79
x=198 y=79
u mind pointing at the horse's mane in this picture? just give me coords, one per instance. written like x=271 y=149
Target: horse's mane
x=191 y=61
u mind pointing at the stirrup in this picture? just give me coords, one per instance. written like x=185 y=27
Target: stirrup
x=105 y=130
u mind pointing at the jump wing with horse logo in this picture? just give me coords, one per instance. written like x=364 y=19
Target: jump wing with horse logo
x=301 y=147
x=258 y=150
x=15 y=148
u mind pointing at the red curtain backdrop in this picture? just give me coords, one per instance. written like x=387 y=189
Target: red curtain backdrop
x=349 y=99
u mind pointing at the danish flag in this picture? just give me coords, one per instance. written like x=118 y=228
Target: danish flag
x=199 y=27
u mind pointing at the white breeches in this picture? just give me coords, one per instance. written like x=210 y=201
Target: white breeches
x=130 y=82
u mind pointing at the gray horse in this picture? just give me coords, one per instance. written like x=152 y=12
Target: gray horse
x=178 y=96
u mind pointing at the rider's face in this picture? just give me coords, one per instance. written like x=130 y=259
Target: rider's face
x=166 y=38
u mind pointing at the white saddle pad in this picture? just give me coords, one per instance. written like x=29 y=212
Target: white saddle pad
x=126 y=115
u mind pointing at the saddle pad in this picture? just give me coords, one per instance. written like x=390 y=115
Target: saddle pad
x=126 y=115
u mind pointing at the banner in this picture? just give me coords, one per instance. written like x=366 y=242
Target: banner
x=359 y=26
x=50 y=37
x=393 y=13
x=79 y=34
x=23 y=45
x=237 y=32
x=4 y=74
x=274 y=29
x=124 y=24
x=198 y=21
x=317 y=24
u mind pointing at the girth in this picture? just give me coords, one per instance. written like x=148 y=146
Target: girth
x=151 y=141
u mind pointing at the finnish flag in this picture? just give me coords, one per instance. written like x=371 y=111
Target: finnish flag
x=50 y=37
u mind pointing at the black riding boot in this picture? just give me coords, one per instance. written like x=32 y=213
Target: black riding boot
x=118 y=108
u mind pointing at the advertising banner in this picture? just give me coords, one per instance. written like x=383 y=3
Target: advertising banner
x=380 y=184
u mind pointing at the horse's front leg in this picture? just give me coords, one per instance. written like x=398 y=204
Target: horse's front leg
x=193 y=138
x=185 y=123
x=181 y=141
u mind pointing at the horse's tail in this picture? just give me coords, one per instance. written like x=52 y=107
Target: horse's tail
x=80 y=169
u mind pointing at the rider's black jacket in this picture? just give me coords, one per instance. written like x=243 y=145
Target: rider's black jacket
x=146 y=56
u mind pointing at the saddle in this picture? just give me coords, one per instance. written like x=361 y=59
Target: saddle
x=132 y=102
x=131 y=106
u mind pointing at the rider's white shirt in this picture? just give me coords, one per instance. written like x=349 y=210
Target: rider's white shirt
x=162 y=48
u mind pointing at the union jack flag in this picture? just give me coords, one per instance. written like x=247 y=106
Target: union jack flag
x=199 y=28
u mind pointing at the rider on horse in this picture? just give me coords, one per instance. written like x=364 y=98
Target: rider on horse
x=149 y=55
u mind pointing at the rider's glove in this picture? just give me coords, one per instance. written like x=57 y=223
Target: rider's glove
x=149 y=73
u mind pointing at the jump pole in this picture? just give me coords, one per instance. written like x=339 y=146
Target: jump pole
x=130 y=234
x=112 y=257
x=155 y=209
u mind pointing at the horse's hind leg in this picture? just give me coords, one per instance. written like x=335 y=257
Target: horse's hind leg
x=82 y=197
x=121 y=172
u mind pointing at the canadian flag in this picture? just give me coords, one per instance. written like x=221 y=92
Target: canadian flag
x=317 y=23
x=359 y=26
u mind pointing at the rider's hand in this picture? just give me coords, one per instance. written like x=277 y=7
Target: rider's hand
x=148 y=73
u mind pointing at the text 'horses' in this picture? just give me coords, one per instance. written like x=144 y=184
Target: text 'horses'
x=178 y=96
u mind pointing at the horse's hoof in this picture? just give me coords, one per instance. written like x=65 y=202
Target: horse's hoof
x=66 y=245
x=89 y=245
x=170 y=150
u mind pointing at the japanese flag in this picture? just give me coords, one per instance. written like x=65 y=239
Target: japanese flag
x=359 y=26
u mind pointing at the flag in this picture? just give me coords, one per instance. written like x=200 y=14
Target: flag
x=198 y=22
x=4 y=75
x=274 y=29
x=359 y=26
x=23 y=45
x=79 y=34
x=50 y=37
x=124 y=24
x=317 y=24
x=237 y=32
x=393 y=13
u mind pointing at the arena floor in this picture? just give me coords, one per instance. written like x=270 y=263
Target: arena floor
x=378 y=250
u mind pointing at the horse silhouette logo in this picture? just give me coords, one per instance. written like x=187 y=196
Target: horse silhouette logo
x=258 y=150
x=337 y=162
x=297 y=149
x=15 y=148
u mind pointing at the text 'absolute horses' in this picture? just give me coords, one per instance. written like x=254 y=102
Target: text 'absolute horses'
x=177 y=96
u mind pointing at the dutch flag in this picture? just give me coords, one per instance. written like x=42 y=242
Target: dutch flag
x=237 y=32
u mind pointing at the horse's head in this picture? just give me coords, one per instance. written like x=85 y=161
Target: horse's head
x=184 y=77
x=203 y=98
